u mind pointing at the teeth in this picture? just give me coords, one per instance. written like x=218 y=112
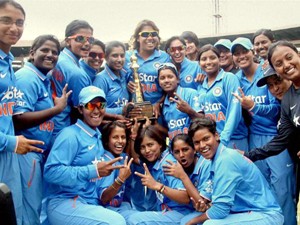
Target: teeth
x=205 y=150
x=291 y=70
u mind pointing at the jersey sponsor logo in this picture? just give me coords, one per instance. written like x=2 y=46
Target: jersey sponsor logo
x=3 y=75
x=217 y=91
x=121 y=102
x=216 y=117
x=292 y=107
x=6 y=109
x=188 y=78
x=149 y=88
x=90 y=147
x=212 y=106
x=147 y=78
x=209 y=186
x=12 y=92
x=172 y=134
x=177 y=123
x=259 y=99
x=47 y=126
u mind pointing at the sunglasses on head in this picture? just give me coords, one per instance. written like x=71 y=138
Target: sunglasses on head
x=95 y=54
x=146 y=34
x=82 y=39
x=91 y=106
x=177 y=48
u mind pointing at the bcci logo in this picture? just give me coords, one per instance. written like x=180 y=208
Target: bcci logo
x=217 y=91
x=156 y=65
x=188 y=79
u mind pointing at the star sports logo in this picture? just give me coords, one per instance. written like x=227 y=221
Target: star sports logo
x=12 y=92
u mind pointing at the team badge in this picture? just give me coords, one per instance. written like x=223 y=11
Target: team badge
x=156 y=65
x=217 y=91
x=188 y=79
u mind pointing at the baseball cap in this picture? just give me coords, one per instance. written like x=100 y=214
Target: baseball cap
x=89 y=93
x=223 y=42
x=245 y=42
x=268 y=72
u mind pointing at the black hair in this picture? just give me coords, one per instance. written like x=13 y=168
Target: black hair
x=114 y=44
x=183 y=137
x=3 y=3
x=266 y=32
x=191 y=37
x=107 y=129
x=279 y=43
x=73 y=27
x=99 y=43
x=206 y=48
x=202 y=123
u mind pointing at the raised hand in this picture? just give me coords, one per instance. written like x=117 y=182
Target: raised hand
x=147 y=179
x=131 y=86
x=246 y=101
x=106 y=168
x=200 y=78
x=125 y=172
x=62 y=101
x=27 y=145
x=182 y=105
x=174 y=169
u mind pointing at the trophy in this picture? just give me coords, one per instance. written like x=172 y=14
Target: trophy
x=137 y=97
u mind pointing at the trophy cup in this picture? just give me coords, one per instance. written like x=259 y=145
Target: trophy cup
x=137 y=97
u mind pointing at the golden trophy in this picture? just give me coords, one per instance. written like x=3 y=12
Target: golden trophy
x=137 y=96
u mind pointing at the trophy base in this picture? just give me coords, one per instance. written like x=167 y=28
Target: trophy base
x=147 y=110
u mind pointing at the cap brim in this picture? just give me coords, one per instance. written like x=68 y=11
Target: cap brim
x=263 y=81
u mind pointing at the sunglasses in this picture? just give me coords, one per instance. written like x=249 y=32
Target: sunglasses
x=82 y=39
x=91 y=106
x=177 y=48
x=146 y=34
x=170 y=66
x=95 y=54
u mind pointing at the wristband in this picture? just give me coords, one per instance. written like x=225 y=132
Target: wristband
x=161 y=190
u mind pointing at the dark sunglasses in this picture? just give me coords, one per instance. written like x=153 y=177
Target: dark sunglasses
x=91 y=106
x=95 y=54
x=82 y=39
x=177 y=48
x=146 y=34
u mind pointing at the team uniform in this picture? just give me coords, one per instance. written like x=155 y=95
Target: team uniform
x=169 y=212
x=72 y=173
x=90 y=71
x=9 y=165
x=115 y=88
x=148 y=73
x=241 y=196
x=178 y=122
x=219 y=104
x=68 y=71
x=36 y=97
x=278 y=170
x=188 y=72
x=118 y=203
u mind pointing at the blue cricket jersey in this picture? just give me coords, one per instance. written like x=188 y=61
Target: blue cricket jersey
x=237 y=186
x=148 y=73
x=179 y=122
x=67 y=70
x=266 y=112
x=37 y=97
x=115 y=88
x=71 y=167
x=9 y=94
x=90 y=71
x=219 y=104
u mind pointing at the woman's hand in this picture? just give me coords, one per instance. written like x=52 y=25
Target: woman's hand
x=106 y=168
x=125 y=172
x=246 y=101
x=147 y=179
x=200 y=205
x=174 y=169
x=182 y=105
x=61 y=102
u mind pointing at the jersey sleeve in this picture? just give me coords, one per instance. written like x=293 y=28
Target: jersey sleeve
x=7 y=142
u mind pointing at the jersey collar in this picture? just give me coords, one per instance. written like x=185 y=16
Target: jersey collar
x=89 y=131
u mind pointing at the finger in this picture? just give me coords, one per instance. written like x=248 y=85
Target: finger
x=241 y=92
x=125 y=160
x=34 y=142
x=298 y=154
x=117 y=167
x=174 y=100
x=130 y=161
x=170 y=162
x=146 y=168
x=69 y=93
x=179 y=98
x=236 y=95
x=35 y=149
x=115 y=160
x=64 y=90
x=139 y=174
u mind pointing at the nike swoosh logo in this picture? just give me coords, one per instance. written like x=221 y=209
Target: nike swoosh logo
x=91 y=147
x=45 y=95
x=2 y=75
x=289 y=165
x=291 y=108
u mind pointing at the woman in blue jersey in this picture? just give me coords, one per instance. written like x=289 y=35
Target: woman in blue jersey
x=262 y=39
x=113 y=187
x=12 y=20
x=192 y=45
x=172 y=199
x=78 y=40
x=264 y=110
x=113 y=81
x=93 y=62
x=239 y=192
x=145 y=43
x=75 y=167
x=191 y=169
x=187 y=70
x=181 y=105
x=218 y=102
x=33 y=115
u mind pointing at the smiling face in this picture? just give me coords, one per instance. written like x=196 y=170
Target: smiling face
x=183 y=153
x=116 y=59
x=11 y=30
x=92 y=118
x=226 y=59
x=177 y=51
x=261 y=45
x=81 y=50
x=286 y=62
x=278 y=86
x=243 y=57
x=117 y=141
x=168 y=81
x=150 y=149
x=206 y=143
x=46 y=56
x=149 y=43
x=95 y=62
x=191 y=48
x=210 y=63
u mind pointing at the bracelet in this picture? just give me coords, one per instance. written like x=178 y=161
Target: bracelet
x=161 y=190
x=114 y=187
x=252 y=107
x=119 y=181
